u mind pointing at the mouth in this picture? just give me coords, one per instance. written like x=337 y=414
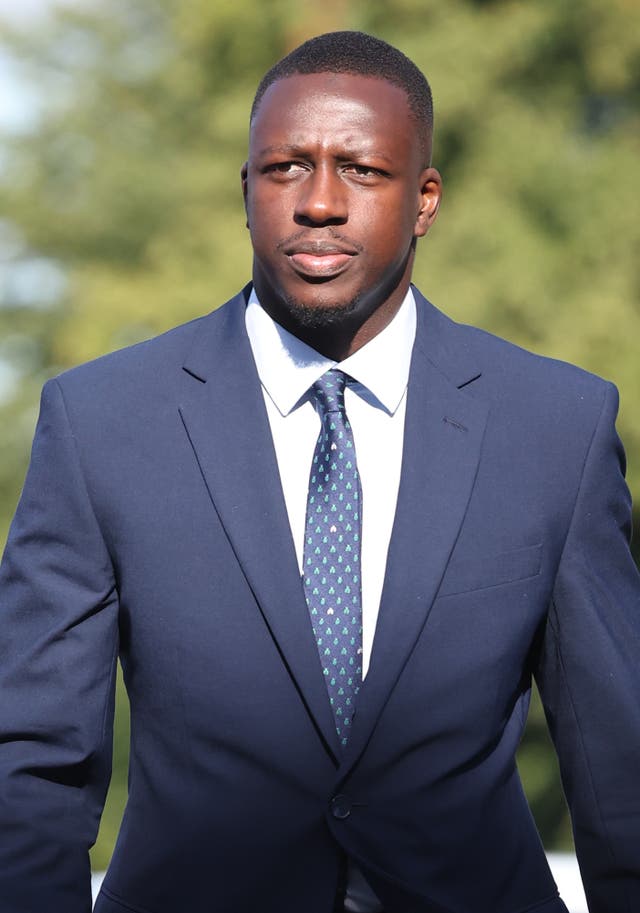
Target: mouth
x=319 y=259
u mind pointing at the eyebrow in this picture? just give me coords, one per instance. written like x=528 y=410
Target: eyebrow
x=296 y=150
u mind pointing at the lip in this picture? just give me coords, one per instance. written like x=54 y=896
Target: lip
x=319 y=265
x=319 y=258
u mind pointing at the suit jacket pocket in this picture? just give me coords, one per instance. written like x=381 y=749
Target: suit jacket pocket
x=478 y=572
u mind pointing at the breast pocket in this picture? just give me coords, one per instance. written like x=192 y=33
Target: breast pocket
x=480 y=572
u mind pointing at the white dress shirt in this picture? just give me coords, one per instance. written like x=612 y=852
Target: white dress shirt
x=375 y=402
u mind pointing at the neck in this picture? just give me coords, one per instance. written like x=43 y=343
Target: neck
x=335 y=332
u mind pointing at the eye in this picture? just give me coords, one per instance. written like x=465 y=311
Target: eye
x=284 y=169
x=364 y=172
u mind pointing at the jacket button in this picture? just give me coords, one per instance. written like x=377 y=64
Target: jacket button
x=340 y=807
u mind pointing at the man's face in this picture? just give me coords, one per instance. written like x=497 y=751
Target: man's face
x=336 y=192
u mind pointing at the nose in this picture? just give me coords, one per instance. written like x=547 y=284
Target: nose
x=322 y=199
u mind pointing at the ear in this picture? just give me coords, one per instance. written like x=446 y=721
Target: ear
x=429 y=196
x=243 y=177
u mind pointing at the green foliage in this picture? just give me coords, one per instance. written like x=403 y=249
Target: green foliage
x=124 y=198
x=117 y=796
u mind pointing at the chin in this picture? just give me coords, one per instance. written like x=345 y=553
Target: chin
x=322 y=313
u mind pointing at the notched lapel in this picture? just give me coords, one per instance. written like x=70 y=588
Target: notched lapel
x=444 y=429
x=226 y=421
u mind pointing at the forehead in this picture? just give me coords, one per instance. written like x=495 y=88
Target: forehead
x=338 y=106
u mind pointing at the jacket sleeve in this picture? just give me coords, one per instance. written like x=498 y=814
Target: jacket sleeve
x=58 y=648
x=589 y=675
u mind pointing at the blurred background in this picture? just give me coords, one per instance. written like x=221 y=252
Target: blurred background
x=123 y=127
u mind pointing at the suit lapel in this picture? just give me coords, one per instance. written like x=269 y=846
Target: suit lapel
x=225 y=418
x=444 y=428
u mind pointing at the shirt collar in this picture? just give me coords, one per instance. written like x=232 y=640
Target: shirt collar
x=287 y=367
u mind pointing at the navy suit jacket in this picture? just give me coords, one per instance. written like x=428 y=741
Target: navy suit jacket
x=152 y=525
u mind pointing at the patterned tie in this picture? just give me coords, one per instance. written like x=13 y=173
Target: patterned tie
x=331 y=571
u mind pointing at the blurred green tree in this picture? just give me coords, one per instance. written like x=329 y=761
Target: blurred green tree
x=123 y=213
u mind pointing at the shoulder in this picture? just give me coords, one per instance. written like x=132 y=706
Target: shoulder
x=153 y=365
x=507 y=374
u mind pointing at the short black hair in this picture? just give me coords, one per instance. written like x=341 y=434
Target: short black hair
x=357 y=54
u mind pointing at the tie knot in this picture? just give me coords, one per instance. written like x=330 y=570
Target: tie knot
x=329 y=391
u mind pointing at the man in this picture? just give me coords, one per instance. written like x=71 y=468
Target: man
x=332 y=535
